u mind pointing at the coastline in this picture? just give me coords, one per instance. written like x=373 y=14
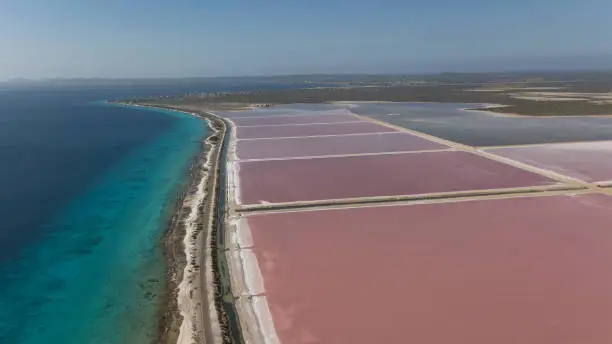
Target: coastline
x=197 y=294
x=188 y=313
x=197 y=214
x=192 y=310
x=178 y=316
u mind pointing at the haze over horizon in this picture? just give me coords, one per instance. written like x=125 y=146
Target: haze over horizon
x=149 y=39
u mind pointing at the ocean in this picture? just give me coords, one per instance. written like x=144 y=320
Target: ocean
x=86 y=191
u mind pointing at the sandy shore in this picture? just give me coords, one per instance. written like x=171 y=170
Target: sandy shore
x=188 y=314
x=189 y=290
x=194 y=318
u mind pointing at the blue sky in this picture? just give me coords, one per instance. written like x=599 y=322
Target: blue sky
x=154 y=38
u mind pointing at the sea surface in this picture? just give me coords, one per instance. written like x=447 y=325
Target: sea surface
x=86 y=191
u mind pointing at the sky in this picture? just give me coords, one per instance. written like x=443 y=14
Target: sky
x=198 y=38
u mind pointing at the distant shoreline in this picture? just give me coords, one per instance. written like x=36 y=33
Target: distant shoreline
x=544 y=98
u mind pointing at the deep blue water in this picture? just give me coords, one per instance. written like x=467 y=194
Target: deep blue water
x=85 y=193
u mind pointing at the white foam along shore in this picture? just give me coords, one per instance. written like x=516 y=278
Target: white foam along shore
x=254 y=285
x=189 y=289
x=233 y=167
x=254 y=312
x=247 y=280
x=253 y=279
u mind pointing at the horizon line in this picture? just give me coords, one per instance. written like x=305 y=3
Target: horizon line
x=288 y=75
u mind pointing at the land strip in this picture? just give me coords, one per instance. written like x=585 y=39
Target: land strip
x=531 y=94
x=243 y=275
x=195 y=310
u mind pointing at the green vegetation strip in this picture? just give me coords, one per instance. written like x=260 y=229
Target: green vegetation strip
x=444 y=88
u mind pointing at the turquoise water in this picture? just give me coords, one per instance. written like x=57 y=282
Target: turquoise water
x=96 y=272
